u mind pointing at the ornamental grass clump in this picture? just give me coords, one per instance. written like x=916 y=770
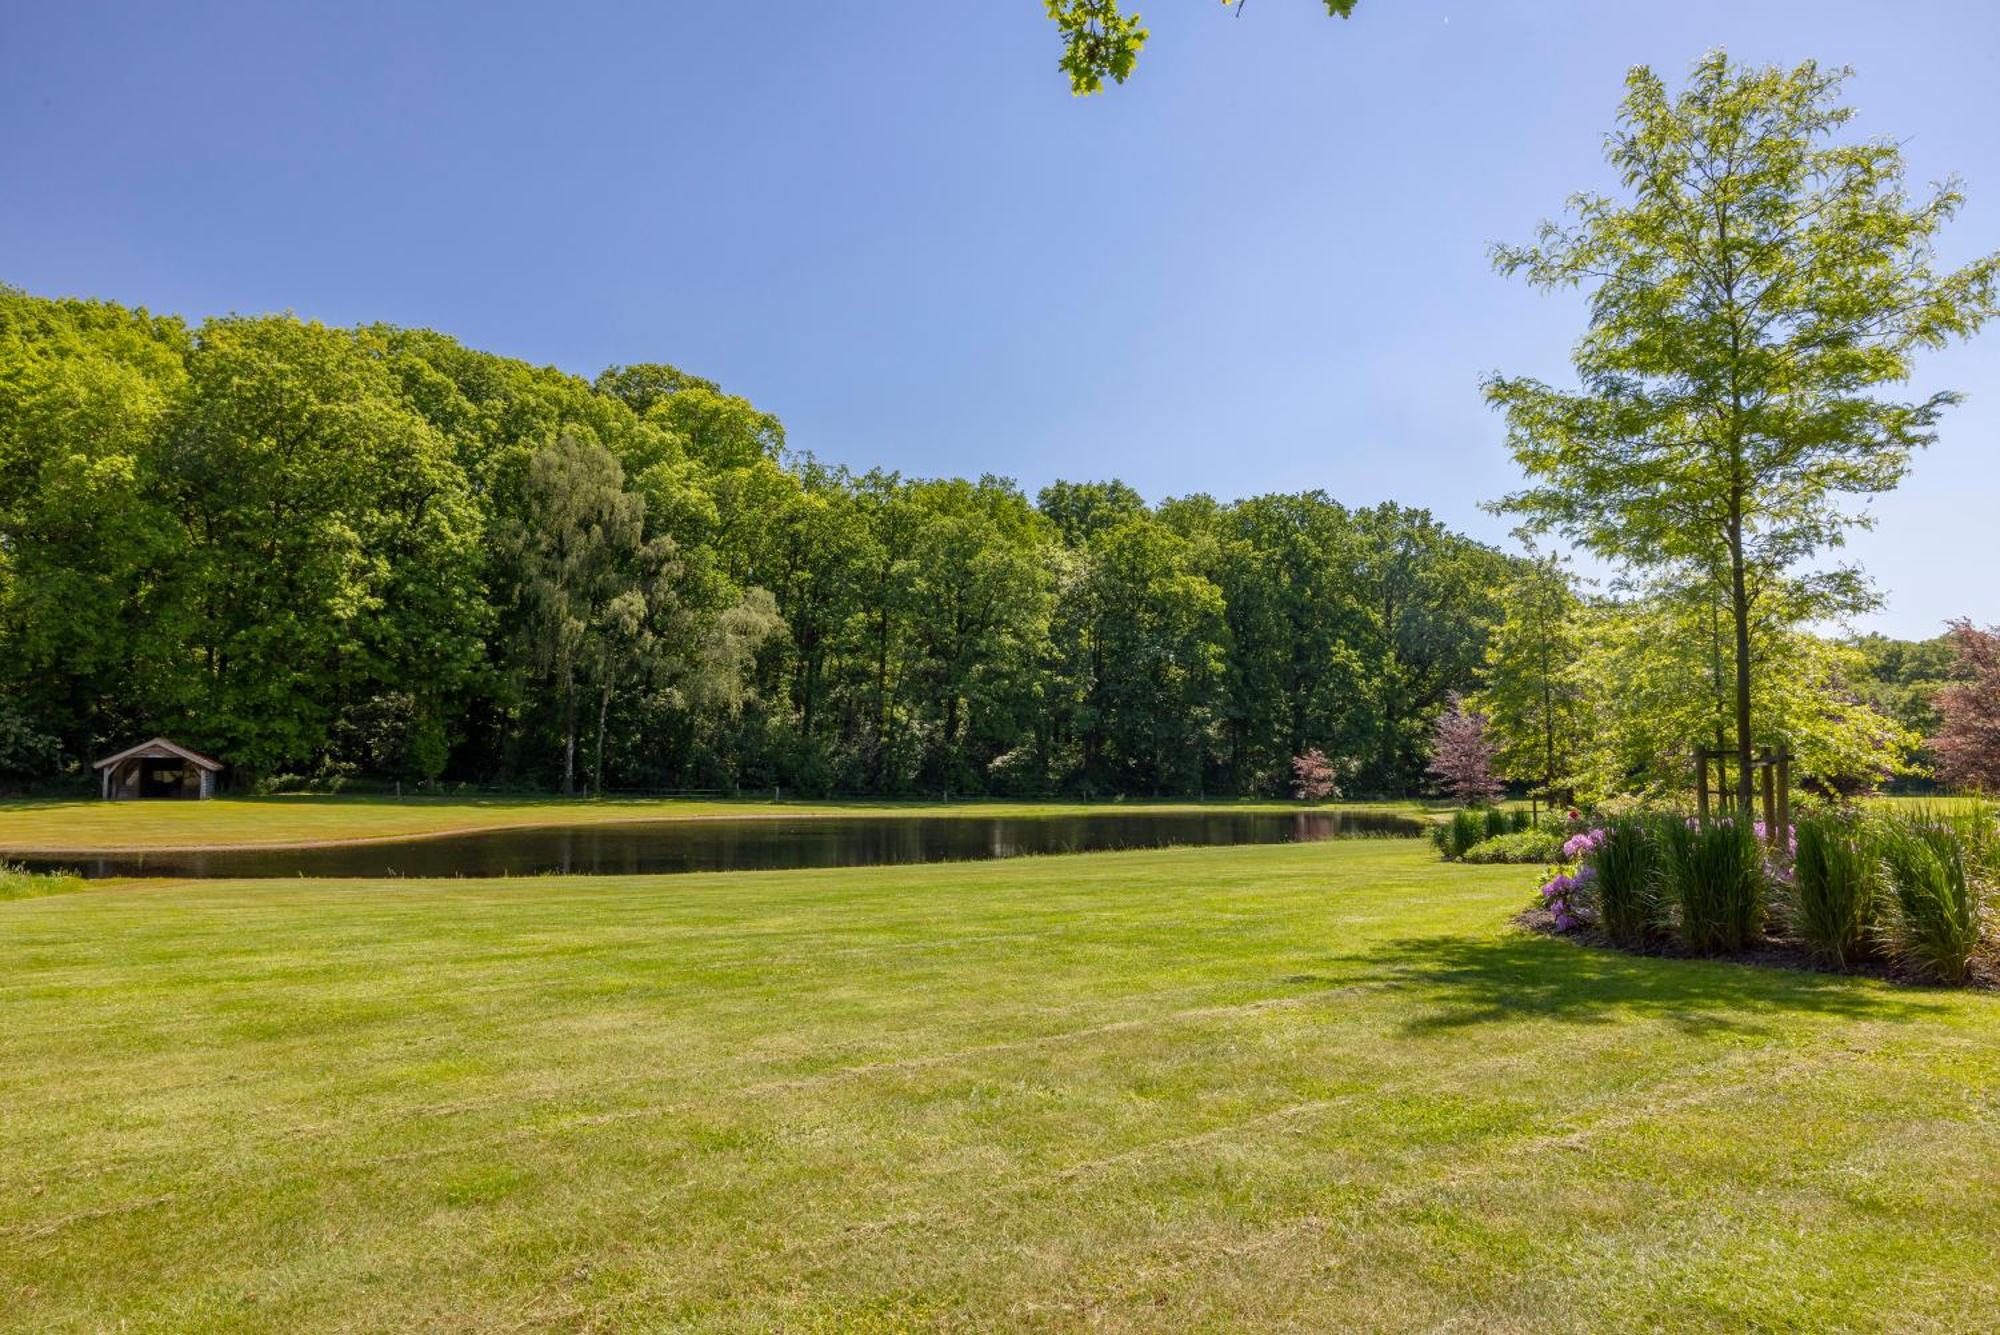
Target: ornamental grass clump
x=1936 y=863
x=1713 y=877
x=1624 y=864
x=1835 y=903
x=1496 y=822
x=1456 y=836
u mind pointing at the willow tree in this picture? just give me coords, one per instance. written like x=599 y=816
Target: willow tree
x=1754 y=292
x=583 y=573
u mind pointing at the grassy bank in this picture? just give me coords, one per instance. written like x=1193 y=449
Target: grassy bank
x=1318 y=1086
x=15 y=883
x=51 y=827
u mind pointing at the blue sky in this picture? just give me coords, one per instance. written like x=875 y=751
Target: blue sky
x=1261 y=265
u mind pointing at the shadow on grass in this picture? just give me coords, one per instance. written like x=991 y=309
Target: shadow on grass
x=1464 y=982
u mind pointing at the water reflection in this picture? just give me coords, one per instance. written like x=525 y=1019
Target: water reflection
x=755 y=844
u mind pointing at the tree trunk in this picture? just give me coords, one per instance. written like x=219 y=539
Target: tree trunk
x=950 y=758
x=1548 y=716
x=882 y=692
x=603 y=713
x=569 y=734
x=1391 y=769
x=1548 y=742
x=1739 y=607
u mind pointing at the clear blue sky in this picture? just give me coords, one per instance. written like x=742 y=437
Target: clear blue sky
x=1261 y=265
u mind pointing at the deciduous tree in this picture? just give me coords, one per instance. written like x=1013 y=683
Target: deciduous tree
x=1753 y=294
x=1314 y=778
x=1534 y=697
x=1102 y=41
x=1462 y=755
x=579 y=562
x=1968 y=739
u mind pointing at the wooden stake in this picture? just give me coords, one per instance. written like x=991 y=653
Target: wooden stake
x=1785 y=792
x=1769 y=767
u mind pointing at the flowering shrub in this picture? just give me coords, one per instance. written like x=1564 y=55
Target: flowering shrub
x=1564 y=893
x=1611 y=880
x=1581 y=845
x=1559 y=897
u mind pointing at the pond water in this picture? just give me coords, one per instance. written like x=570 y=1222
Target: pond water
x=757 y=844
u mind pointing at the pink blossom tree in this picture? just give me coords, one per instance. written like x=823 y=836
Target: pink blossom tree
x=1968 y=741
x=1462 y=755
x=1313 y=777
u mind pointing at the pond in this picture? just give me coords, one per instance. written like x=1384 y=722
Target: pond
x=754 y=844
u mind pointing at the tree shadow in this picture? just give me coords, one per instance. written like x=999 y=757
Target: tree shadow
x=1472 y=981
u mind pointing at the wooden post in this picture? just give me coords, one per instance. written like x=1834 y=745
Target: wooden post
x=1770 y=769
x=1701 y=784
x=1785 y=793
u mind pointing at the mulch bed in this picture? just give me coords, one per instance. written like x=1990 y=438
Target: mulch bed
x=1770 y=953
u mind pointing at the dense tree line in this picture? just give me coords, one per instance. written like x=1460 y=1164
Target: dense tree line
x=327 y=553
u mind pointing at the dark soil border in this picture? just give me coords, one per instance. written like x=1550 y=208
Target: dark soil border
x=1769 y=953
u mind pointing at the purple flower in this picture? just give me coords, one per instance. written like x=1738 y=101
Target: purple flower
x=1578 y=845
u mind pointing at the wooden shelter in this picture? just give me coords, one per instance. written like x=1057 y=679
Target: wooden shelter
x=157 y=769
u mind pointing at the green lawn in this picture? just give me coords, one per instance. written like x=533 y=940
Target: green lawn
x=29 y=826
x=1320 y=1086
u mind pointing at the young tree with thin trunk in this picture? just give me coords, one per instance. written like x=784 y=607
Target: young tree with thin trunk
x=1752 y=295
x=1532 y=698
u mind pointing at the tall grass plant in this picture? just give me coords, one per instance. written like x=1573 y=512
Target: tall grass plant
x=1714 y=880
x=1836 y=903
